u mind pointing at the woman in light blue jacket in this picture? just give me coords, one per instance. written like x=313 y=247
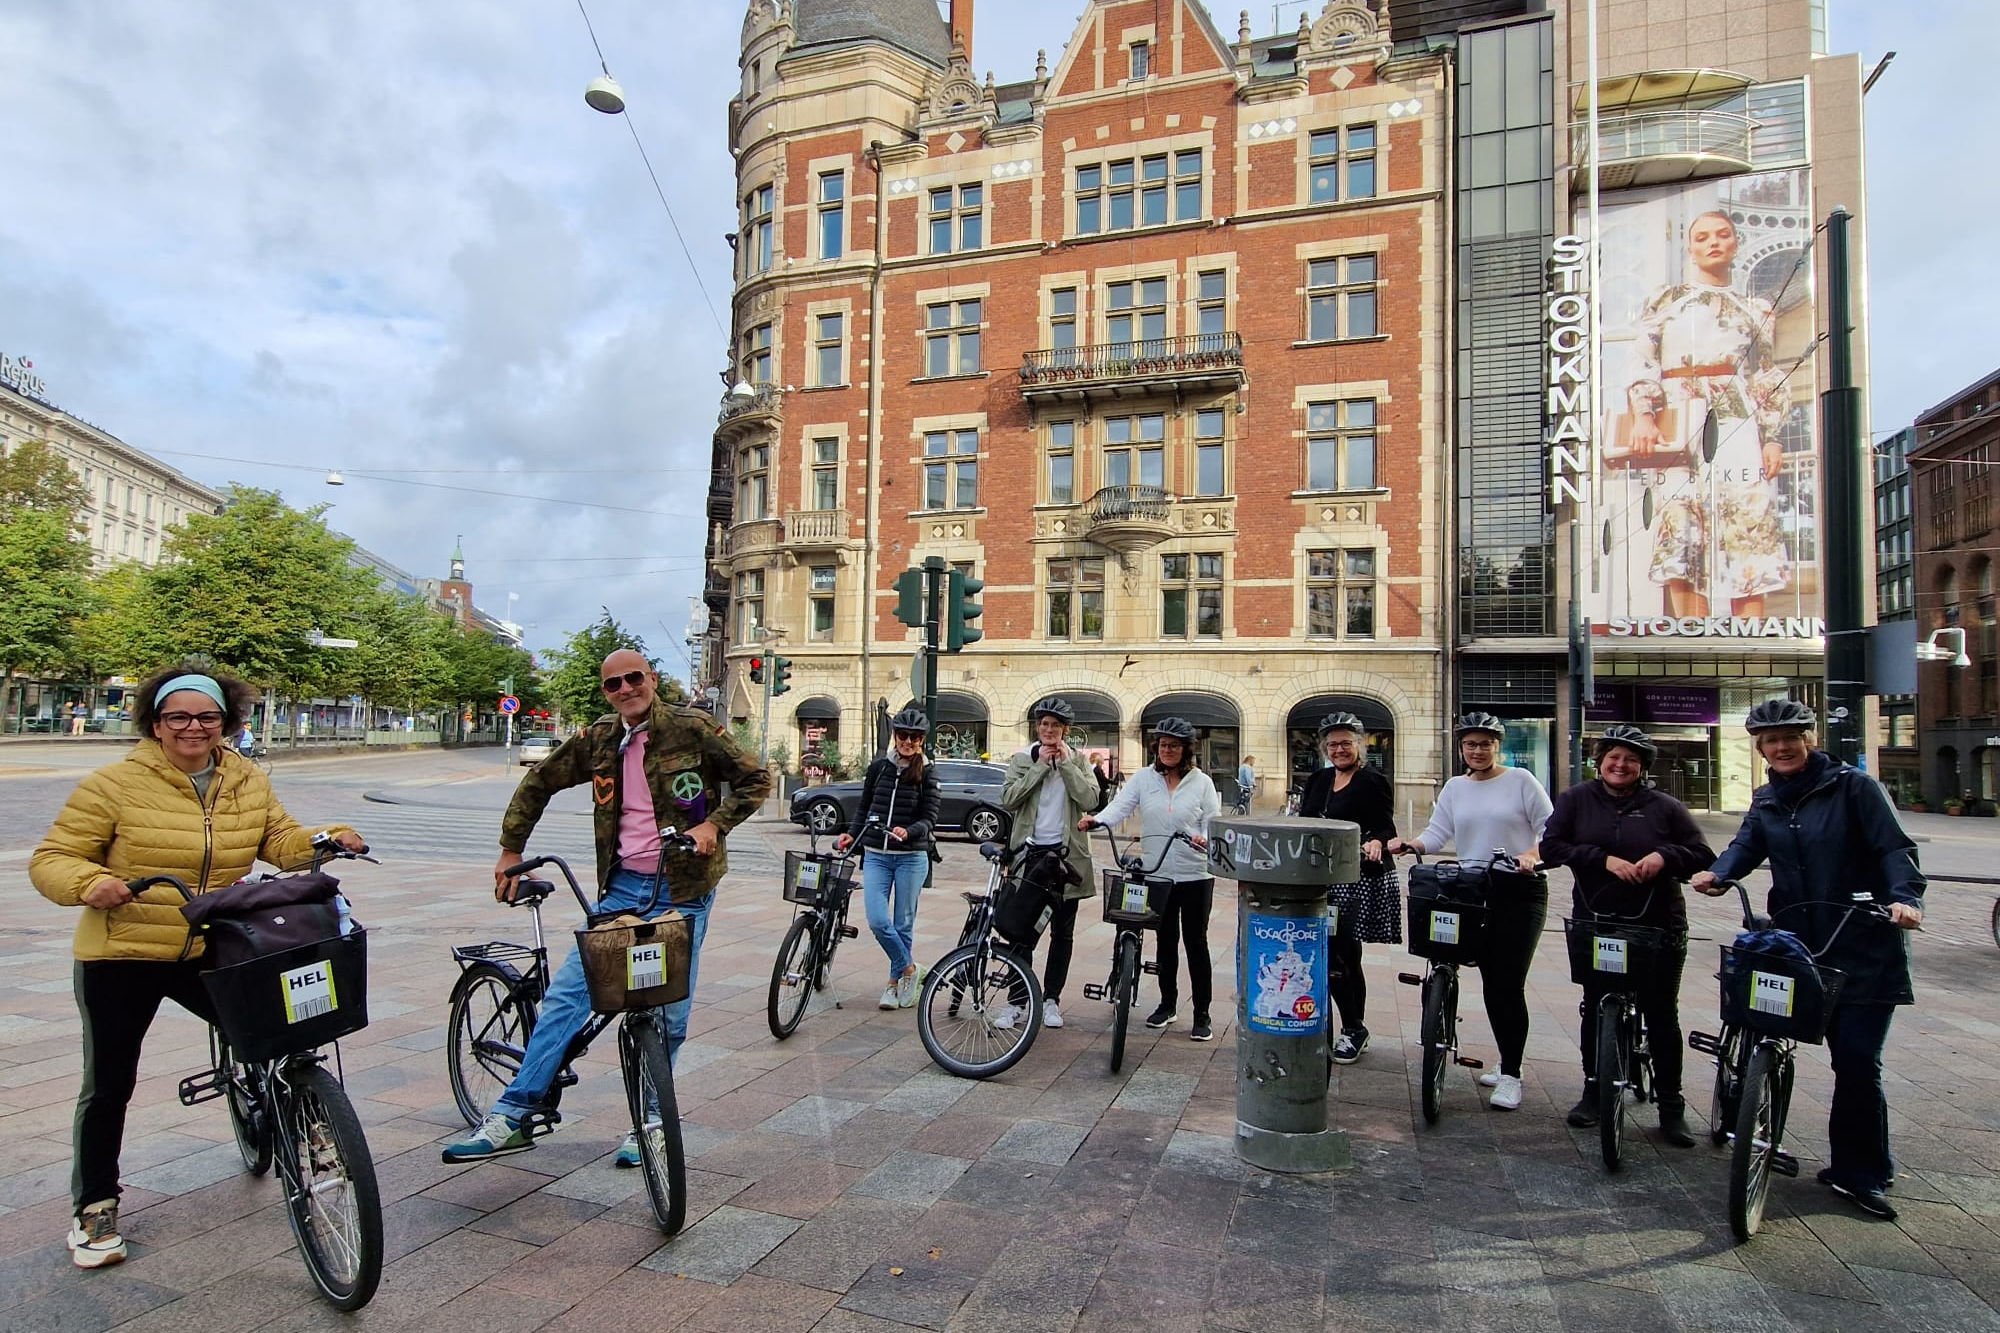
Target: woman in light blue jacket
x=1173 y=796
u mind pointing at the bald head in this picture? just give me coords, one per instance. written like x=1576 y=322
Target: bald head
x=634 y=702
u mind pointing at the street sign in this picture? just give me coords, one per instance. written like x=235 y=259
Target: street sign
x=318 y=640
x=509 y=704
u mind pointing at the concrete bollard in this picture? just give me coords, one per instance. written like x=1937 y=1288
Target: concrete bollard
x=1282 y=865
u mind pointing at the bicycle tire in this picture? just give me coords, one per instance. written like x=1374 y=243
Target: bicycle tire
x=1996 y=923
x=1127 y=984
x=793 y=975
x=1613 y=1063
x=242 y=1092
x=642 y=1050
x=1759 y=1118
x=1728 y=1088
x=1439 y=996
x=491 y=1021
x=961 y=998
x=330 y=1193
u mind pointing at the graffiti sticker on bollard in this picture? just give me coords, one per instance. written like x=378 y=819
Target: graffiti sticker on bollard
x=1286 y=966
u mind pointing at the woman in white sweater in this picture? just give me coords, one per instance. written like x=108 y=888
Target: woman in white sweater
x=1173 y=796
x=1493 y=810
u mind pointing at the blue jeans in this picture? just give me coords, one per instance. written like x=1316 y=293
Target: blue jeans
x=900 y=874
x=566 y=1007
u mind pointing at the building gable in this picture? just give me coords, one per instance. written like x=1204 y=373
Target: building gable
x=1180 y=39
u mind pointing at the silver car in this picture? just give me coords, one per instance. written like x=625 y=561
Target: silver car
x=534 y=749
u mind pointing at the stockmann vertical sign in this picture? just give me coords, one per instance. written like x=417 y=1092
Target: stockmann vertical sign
x=1568 y=380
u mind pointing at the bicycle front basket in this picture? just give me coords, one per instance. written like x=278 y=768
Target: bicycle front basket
x=1613 y=955
x=1128 y=904
x=812 y=879
x=631 y=963
x=1447 y=914
x=1779 y=995
x=293 y=1000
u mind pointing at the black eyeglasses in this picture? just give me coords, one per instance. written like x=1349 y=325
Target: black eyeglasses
x=909 y=735
x=631 y=680
x=191 y=721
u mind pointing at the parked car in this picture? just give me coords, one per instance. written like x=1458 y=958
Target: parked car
x=534 y=749
x=969 y=802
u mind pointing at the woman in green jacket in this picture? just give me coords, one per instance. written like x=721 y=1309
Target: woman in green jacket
x=1049 y=787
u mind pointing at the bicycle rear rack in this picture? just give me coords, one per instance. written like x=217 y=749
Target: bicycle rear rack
x=499 y=951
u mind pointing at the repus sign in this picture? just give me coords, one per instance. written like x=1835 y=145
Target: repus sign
x=1567 y=382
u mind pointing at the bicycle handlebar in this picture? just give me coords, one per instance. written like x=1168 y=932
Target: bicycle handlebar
x=1134 y=868
x=1859 y=904
x=671 y=840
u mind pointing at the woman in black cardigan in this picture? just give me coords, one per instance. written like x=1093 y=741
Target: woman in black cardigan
x=1371 y=908
x=892 y=822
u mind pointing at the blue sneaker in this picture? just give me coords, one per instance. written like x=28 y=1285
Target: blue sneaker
x=497 y=1136
x=628 y=1152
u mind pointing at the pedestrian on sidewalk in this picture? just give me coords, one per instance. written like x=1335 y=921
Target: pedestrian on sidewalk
x=179 y=803
x=1049 y=787
x=1174 y=796
x=892 y=823
x=1246 y=783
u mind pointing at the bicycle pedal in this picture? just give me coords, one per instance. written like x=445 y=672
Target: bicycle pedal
x=1471 y=1063
x=566 y=1079
x=1150 y=969
x=849 y=932
x=1705 y=1043
x=1409 y=979
x=1092 y=991
x=1784 y=1164
x=203 y=1087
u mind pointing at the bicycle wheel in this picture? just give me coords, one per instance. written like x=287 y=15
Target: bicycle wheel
x=243 y=1086
x=1722 y=1098
x=656 y=1119
x=1996 y=922
x=1440 y=997
x=330 y=1194
x=979 y=1010
x=1126 y=989
x=1614 y=1059
x=1758 y=1118
x=489 y=1028
x=793 y=977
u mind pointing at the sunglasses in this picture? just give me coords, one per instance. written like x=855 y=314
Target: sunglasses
x=631 y=680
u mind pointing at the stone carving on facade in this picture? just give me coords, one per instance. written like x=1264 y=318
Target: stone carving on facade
x=1347 y=29
x=955 y=96
x=764 y=15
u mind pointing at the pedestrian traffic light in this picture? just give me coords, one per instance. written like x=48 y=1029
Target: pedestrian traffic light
x=757 y=670
x=961 y=611
x=910 y=598
x=781 y=675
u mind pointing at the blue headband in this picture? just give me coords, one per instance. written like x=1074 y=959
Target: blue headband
x=205 y=684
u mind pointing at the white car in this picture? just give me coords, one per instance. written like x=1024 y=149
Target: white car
x=534 y=749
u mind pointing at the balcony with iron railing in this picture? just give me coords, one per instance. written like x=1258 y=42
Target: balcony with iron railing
x=1662 y=146
x=763 y=405
x=1202 y=361
x=1129 y=518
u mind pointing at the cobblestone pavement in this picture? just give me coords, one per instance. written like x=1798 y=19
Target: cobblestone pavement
x=840 y=1182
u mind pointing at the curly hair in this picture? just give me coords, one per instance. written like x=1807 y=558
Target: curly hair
x=239 y=697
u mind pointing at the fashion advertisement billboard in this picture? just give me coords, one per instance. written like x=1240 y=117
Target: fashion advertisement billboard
x=1705 y=516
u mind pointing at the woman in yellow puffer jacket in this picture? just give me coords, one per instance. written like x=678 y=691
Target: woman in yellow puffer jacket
x=181 y=803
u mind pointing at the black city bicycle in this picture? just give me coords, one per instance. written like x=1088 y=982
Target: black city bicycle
x=1617 y=957
x=1133 y=901
x=1772 y=1000
x=495 y=1003
x=981 y=1005
x=821 y=886
x=286 y=1107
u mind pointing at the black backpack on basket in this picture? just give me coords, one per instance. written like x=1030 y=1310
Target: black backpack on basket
x=258 y=917
x=1028 y=900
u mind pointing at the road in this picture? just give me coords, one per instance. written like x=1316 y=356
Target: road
x=841 y=1183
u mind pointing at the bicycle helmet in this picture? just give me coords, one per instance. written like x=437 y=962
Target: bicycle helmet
x=1775 y=713
x=1485 y=722
x=1174 y=728
x=1054 y=706
x=1342 y=722
x=911 y=719
x=1633 y=739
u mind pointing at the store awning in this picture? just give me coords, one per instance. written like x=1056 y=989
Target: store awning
x=955 y=708
x=1094 y=709
x=819 y=708
x=1203 y=710
x=1306 y=715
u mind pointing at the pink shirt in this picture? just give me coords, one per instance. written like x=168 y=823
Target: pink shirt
x=638 y=828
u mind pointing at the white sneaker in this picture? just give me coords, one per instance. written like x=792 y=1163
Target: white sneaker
x=93 y=1238
x=891 y=999
x=1005 y=1017
x=906 y=986
x=1506 y=1093
x=1051 y=1014
x=1490 y=1079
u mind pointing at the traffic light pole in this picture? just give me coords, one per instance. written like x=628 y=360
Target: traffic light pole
x=1841 y=523
x=935 y=571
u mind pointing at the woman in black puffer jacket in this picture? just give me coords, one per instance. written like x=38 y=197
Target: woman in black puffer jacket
x=892 y=822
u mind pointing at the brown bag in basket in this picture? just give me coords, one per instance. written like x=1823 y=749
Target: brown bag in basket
x=632 y=963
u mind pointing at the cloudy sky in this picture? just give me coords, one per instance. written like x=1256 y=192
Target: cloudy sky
x=390 y=238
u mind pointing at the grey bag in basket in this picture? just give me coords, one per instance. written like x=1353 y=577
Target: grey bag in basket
x=632 y=963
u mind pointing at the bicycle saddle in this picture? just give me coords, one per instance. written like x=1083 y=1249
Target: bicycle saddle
x=528 y=891
x=998 y=852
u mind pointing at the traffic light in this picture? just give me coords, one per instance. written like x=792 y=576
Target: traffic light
x=781 y=675
x=757 y=671
x=961 y=610
x=910 y=598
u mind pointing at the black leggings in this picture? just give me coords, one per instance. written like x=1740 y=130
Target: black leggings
x=117 y=999
x=1349 y=987
x=1186 y=918
x=1660 y=1006
x=1513 y=929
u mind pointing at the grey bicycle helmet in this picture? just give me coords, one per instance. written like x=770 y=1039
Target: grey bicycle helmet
x=911 y=719
x=1633 y=739
x=1054 y=706
x=1174 y=728
x=1342 y=722
x=1775 y=713
x=1485 y=722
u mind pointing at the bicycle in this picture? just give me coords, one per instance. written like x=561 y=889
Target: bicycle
x=493 y=1011
x=1616 y=956
x=821 y=886
x=1766 y=1014
x=285 y=1107
x=981 y=1005
x=1132 y=903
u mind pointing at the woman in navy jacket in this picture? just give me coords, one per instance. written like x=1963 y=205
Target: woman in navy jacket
x=892 y=822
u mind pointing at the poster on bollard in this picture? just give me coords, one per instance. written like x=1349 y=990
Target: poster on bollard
x=1285 y=965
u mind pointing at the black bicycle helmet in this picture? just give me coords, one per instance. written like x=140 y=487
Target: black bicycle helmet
x=1054 y=706
x=1633 y=739
x=1775 y=713
x=911 y=719
x=1342 y=722
x=1485 y=722
x=1174 y=728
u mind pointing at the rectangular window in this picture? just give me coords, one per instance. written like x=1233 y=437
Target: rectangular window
x=753 y=483
x=1062 y=323
x=832 y=215
x=1148 y=191
x=1340 y=594
x=1191 y=596
x=1089 y=200
x=1142 y=60
x=951 y=469
x=1341 y=299
x=957 y=221
x=749 y=605
x=1211 y=309
x=1135 y=450
x=820 y=619
x=1209 y=471
x=1187 y=185
x=1136 y=313
x=826 y=350
x=951 y=338
x=757 y=207
x=1340 y=445
x=1062 y=462
x=1341 y=164
x=826 y=474
x=1076 y=598
x=757 y=354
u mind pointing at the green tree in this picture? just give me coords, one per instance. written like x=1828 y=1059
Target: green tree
x=44 y=594
x=574 y=687
x=35 y=476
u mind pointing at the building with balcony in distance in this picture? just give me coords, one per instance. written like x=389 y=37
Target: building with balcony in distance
x=1900 y=761
x=1951 y=464
x=1154 y=342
